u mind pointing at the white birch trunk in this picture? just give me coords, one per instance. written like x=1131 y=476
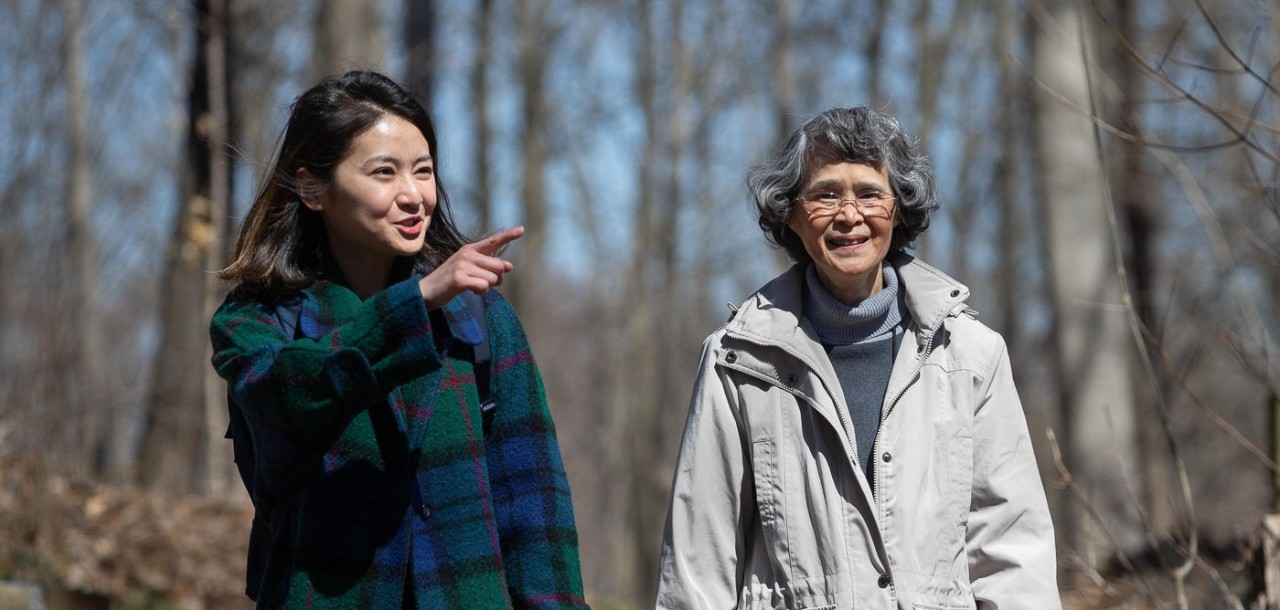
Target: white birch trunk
x=1093 y=338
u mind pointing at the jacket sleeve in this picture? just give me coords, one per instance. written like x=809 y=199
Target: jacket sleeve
x=1010 y=541
x=308 y=389
x=531 y=500
x=703 y=542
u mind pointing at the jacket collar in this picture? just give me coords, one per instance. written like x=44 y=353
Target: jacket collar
x=332 y=294
x=773 y=313
x=931 y=295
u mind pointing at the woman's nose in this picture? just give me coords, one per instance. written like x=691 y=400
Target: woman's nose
x=410 y=192
x=848 y=213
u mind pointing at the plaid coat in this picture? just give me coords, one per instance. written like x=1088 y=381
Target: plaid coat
x=396 y=491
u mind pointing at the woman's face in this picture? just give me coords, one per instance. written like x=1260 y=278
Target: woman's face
x=379 y=203
x=849 y=244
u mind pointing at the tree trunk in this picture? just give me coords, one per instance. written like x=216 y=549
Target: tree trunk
x=874 y=51
x=1013 y=123
x=634 y=421
x=1134 y=189
x=480 y=99
x=83 y=379
x=420 y=46
x=185 y=410
x=783 y=83
x=534 y=38
x=1092 y=335
x=348 y=36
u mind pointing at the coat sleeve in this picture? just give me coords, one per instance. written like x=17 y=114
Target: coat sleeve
x=308 y=389
x=703 y=542
x=533 y=512
x=1010 y=543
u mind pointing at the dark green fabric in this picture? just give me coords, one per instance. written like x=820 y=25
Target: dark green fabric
x=386 y=404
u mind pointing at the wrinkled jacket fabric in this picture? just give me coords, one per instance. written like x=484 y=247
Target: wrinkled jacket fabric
x=770 y=508
x=398 y=488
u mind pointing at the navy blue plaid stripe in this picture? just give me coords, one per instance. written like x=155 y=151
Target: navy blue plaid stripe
x=500 y=532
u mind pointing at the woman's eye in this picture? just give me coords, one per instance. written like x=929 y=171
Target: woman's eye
x=384 y=171
x=425 y=171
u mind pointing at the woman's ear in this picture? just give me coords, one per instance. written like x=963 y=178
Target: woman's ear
x=308 y=189
x=794 y=220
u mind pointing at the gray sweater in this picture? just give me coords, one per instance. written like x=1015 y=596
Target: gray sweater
x=861 y=340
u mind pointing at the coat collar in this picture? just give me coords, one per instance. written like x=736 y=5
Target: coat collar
x=772 y=317
x=324 y=304
x=773 y=313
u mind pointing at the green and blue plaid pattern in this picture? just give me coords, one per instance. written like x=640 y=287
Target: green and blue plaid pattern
x=403 y=492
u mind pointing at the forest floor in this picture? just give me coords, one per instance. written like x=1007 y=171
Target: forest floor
x=144 y=550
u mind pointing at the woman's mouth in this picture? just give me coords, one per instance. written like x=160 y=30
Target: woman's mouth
x=846 y=242
x=410 y=227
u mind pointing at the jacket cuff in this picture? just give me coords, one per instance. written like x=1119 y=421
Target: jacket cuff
x=407 y=332
x=350 y=376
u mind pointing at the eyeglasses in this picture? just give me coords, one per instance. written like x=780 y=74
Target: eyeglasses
x=871 y=204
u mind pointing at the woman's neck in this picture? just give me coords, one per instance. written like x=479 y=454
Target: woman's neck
x=364 y=275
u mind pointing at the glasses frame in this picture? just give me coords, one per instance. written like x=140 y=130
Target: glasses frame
x=816 y=208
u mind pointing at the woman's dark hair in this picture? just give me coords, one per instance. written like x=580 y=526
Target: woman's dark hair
x=859 y=135
x=278 y=251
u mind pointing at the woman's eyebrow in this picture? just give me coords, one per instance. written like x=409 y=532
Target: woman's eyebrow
x=382 y=159
x=836 y=185
x=393 y=160
x=827 y=185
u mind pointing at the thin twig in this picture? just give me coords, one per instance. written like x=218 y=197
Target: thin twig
x=1231 y=600
x=1162 y=78
x=1222 y=42
x=1130 y=136
x=1239 y=437
x=1137 y=327
x=1068 y=481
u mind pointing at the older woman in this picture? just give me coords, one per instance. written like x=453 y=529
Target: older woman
x=855 y=439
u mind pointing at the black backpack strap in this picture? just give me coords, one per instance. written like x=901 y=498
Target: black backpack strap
x=481 y=352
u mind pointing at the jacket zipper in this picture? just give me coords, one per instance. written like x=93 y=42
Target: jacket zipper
x=875 y=445
x=923 y=355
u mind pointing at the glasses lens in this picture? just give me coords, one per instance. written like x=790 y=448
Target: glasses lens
x=875 y=210
x=870 y=205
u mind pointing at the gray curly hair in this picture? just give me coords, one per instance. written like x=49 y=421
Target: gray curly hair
x=859 y=135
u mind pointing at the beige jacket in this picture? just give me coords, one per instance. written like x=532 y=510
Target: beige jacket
x=770 y=508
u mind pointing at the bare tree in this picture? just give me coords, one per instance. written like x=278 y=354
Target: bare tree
x=1092 y=332
x=484 y=56
x=420 y=42
x=185 y=410
x=535 y=34
x=1137 y=210
x=784 y=90
x=80 y=337
x=348 y=36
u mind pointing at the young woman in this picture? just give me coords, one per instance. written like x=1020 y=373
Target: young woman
x=350 y=352
x=855 y=439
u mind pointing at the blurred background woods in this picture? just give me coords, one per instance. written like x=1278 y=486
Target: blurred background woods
x=1109 y=186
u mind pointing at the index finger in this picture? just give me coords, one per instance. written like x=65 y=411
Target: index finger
x=495 y=242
